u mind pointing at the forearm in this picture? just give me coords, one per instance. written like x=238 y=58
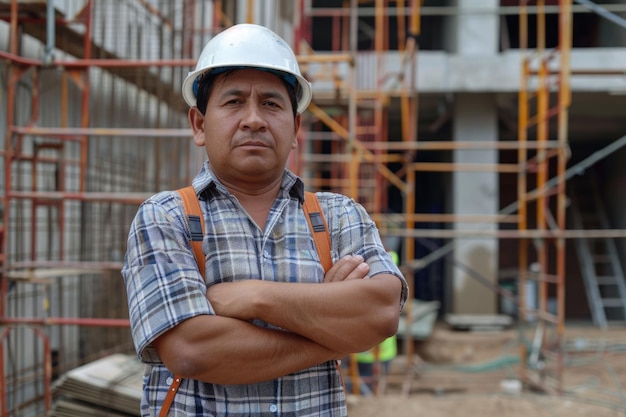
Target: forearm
x=347 y=316
x=223 y=350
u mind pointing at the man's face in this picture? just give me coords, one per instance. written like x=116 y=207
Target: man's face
x=248 y=129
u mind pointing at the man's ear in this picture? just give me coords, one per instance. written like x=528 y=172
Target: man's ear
x=297 y=122
x=196 y=121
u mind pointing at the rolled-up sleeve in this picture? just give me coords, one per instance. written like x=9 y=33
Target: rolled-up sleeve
x=354 y=233
x=163 y=284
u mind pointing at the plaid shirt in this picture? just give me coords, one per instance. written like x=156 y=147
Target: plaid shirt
x=164 y=288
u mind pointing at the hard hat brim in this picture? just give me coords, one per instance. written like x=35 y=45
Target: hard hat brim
x=190 y=96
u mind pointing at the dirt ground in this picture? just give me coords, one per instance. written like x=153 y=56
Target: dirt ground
x=479 y=374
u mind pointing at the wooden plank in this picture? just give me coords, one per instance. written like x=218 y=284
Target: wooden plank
x=478 y=322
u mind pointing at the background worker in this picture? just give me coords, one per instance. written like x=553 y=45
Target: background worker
x=261 y=333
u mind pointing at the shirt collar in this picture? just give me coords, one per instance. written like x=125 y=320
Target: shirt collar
x=205 y=181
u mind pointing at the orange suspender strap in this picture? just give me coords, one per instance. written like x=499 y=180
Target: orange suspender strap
x=317 y=223
x=195 y=219
x=169 y=398
x=321 y=236
x=314 y=217
x=196 y=223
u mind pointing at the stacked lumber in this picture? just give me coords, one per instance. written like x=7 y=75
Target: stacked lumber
x=108 y=387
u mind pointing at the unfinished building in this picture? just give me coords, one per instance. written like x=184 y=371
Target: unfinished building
x=486 y=138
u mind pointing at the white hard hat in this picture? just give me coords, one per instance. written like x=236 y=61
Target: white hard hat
x=249 y=46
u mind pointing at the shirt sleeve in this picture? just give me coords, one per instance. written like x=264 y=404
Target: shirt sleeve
x=163 y=284
x=353 y=232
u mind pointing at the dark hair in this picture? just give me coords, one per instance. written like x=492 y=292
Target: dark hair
x=205 y=83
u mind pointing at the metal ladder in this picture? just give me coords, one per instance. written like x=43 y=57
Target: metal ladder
x=601 y=269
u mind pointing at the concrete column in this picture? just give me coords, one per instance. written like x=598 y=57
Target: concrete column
x=477 y=27
x=475 y=193
x=475 y=119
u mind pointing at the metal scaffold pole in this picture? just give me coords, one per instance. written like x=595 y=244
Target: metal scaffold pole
x=542 y=360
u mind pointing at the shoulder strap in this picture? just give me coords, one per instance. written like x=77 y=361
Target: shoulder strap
x=169 y=398
x=319 y=229
x=196 y=224
x=195 y=219
x=321 y=235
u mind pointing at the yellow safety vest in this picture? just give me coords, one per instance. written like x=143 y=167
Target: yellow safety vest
x=387 y=350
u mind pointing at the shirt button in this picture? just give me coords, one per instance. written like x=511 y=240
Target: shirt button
x=273 y=408
x=169 y=380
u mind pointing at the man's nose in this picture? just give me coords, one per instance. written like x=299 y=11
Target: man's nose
x=253 y=117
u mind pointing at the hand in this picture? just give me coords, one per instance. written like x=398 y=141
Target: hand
x=347 y=268
x=230 y=299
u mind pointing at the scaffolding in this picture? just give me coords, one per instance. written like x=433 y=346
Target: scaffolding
x=75 y=175
x=78 y=159
x=349 y=146
x=545 y=99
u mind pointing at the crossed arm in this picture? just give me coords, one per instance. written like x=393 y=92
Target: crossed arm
x=350 y=312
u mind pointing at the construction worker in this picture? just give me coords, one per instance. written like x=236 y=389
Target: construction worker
x=260 y=334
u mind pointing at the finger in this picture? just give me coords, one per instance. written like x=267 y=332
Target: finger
x=359 y=272
x=343 y=268
x=348 y=261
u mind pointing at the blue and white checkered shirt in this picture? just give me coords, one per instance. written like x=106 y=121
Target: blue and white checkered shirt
x=164 y=288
